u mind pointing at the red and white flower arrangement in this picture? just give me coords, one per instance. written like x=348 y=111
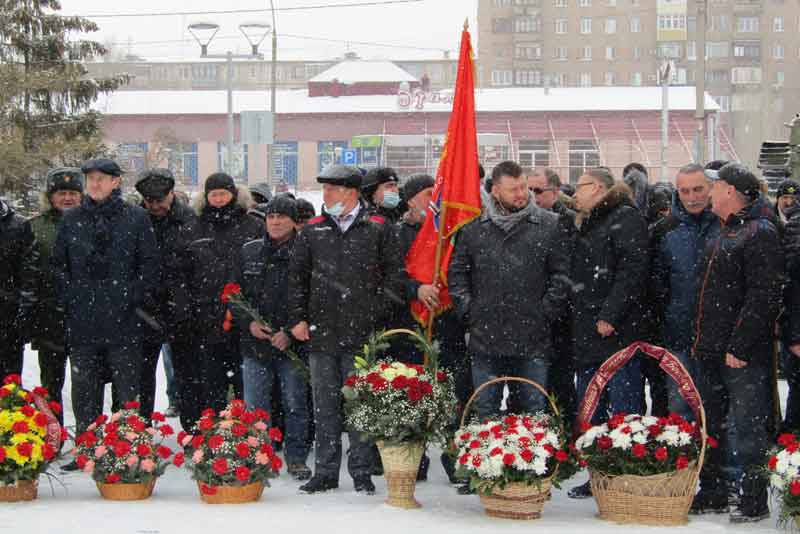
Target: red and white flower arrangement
x=527 y=448
x=125 y=448
x=783 y=467
x=640 y=445
x=232 y=448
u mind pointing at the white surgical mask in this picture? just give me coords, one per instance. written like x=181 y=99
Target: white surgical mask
x=335 y=210
x=390 y=199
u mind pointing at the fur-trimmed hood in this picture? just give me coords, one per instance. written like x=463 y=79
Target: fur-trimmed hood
x=243 y=199
x=619 y=195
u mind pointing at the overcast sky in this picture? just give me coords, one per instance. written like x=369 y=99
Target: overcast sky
x=433 y=24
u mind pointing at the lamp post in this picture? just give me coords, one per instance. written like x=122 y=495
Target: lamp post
x=204 y=33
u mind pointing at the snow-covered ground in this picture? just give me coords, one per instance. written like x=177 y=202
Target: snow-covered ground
x=73 y=506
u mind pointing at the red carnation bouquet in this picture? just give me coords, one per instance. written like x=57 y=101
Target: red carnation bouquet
x=783 y=468
x=125 y=448
x=29 y=433
x=232 y=448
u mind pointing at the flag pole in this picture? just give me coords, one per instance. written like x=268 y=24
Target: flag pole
x=437 y=269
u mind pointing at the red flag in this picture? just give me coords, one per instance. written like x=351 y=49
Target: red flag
x=456 y=193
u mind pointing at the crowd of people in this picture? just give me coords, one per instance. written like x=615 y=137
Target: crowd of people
x=549 y=281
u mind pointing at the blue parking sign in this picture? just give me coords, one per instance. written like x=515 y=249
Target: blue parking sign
x=350 y=156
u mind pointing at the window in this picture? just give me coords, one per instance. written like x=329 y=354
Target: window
x=500 y=52
x=717 y=76
x=560 y=3
x=611 y=25
x=778 y=51
x=188 y=159
x=717 y=49
x=719 y=23
x=777 y=24
x=561 y=26
x=672 y=22
x=503 y=25
x=502 y=3
x=745 y=75
x=528 y=77
x=636 y=24
x=560 y=53
x=527 y=51
x=691 y=24
x=501 y=77
x=585 y=79
x=534 y=153
x=584 y=3
x=691 y=50
x=724 y=102
x=610 y=53
x=527 y=25
x=747 y=49
x=611 y=3
x=560 y=79
x=583 y=154
x=238 y=164
x=669 y=50
x=587 y=53
x=780 y=78
x=610 y=78
x=637 y=53
x=329 y=153
x=636 y=79
x=747 y=24
x=586 y=25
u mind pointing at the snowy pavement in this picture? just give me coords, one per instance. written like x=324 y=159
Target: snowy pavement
x=73 y=506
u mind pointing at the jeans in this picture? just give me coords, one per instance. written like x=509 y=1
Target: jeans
x=676 y=402
x=486 y=367
x=87 y=363
x=259 y=376
x=623 y=393
x=52 y=375
x=169 y=371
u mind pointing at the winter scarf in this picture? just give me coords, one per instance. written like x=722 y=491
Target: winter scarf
x=102 y=216
x=222 y=215
x=506 y=220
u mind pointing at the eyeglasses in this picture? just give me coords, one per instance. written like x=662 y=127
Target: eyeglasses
x=538 y=191
x=579 y=185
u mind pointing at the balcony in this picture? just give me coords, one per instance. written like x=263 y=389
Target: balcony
x=748 y=6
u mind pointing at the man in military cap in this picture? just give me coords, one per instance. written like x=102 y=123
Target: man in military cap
x=167 y=318
x=64 y=191
x=106 y=264
x=381 y=193
x=344 y=269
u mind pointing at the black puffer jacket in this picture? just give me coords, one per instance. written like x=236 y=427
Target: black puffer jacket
x=509 y=288
x=741 y=282
x=263 y=273
x=344 y=284
x=790 y=318
x=213 y=249
x=17 y=275
x=609 y=270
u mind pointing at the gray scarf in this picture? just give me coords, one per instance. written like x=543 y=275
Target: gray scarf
x=508 y=221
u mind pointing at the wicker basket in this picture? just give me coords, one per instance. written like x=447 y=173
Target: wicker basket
x=126 y=492
x=23 y=490
x=660 y=500
x=232 y=494
x=400 y=466
x=517 y=500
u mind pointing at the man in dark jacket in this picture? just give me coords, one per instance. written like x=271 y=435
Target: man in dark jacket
x=381 y=194
x=741 y=277
x=165 y=321
x=107 y=265
x=678 y=242
x=17 y=278
x=790 y=318
x=64 y=191
x=509 y=282
x=344 y=266
x=211 y=252
x=263 y=274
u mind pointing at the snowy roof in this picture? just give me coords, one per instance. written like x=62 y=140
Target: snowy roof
x=350 y=72
x=486 y=100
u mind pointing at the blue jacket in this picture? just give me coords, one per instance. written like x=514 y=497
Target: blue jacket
x=106 y=264
x=678 y=241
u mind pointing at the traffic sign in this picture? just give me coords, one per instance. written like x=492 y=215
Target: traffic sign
x=349 y=156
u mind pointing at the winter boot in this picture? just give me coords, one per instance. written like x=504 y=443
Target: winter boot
x=319 y=484
x=584 y=491
x=707 y=502
x=753 y=501
x=364 y=483
x=422 y=472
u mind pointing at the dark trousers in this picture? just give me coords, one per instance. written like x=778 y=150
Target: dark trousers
x=791 y=371
x=659 y=396
x=52 y=373
x=188 y=381
x=328 y=373
x=87 y=365
x=10 y=360
x=487 y=367
x=220 y=370
x=561 y=383
x=740 y=397
x=147 y=381
x=623 y=393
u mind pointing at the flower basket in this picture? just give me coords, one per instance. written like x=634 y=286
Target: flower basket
x=400 y=466
x=518 y=486
x=229 y=494
x=400 y=406
x=660 y=499
x=23 y=490
x=126 y=492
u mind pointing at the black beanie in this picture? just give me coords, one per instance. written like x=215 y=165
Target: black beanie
x=415 y=184
x=220 y=180
x=282 y=205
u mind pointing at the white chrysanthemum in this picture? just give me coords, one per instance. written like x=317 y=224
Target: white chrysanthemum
x=649 y=420
x=639 y=437
x=782 y=465
x=539 y=466
x=684 y=439
x=777 y=482
x=669 y=437
x=621 y=441
x=636 y=426
x=794 y=459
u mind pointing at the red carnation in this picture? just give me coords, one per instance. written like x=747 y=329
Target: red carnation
x=713 y=443
x=238 y=430
x=13 y=379
x=40 y=391
x=604 y=442
x=792 y=447
x=40 y=420
x=616 y=420
x=110 y=439
x=508 y=458
x=86 y=438
x=208 y=490
x=261 y=414
x=526 y=455
x=100 y=420
x=474 y=444
x=682 y=462
x=25 y=449
x=654 y=430
x=277 y=463
x=242 y=473
x=379 y=385
x=205 y=423
x=164 y=452
x=158 y=416
x=27 y=410
x=179 y=459
x=275 y=434
x=208 y=412
x=181 y=436
x=197 y=441
x=132 y=405
x=639 y=450
x=4 y=393
x=625 y=429
x=661 y=454
x=143 y=449
x=2 y=455
x=248 y=418
x=113 y=478
x=220 y=466
x=786 y=438
x=524 y=441
x=483 y=434
x=414 y=394
x=29 y=397
x=351 y=381
x=794 y=487
x=237 y=408
x=441 y=376
x=463 y=459
x=111 y=428
x=122 y=448
x=773 y=461
x=20 y=427
x=465 y=436
x=48 y=452
x=228 y=290
x=81 y=460
x=267 y=449
x=495 y=451
x=242 y=449
x=166 y=430
x=539 y=436
x=400 y=382
x=136 y=424
x=476 y=461
x=561 y=456
x=215 y=441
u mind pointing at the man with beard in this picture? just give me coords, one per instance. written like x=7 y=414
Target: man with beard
x=509 y=282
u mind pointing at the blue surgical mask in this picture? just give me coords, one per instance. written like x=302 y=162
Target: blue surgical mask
x=390 y=199
x=335 y=210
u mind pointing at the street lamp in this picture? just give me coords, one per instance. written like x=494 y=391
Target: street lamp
x=203 y=33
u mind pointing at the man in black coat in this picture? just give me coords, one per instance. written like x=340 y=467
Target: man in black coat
x=263 y=273
x=107 y=266
x=165 y=321
x=509 y=282
x=380 y=192
x=210 y=254
x=741 y=278
x=17 y=275
x=344 y=268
